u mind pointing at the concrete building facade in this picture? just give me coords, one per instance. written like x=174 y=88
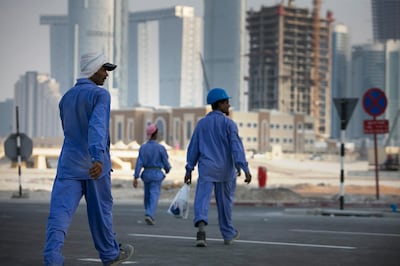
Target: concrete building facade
x=260 y=130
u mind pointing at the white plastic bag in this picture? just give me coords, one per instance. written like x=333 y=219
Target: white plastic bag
x=180 y=204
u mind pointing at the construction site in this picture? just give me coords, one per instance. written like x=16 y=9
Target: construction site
x=289 y=62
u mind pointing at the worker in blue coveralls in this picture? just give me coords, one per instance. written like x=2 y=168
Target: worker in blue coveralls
x=153 y=157
x=216 y=147
x=84 y=166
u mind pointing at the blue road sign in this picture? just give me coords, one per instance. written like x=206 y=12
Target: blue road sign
x=374 y=102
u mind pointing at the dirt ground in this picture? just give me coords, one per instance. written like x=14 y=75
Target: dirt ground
x=289 y=180
x=303 y=193
x=320 y=190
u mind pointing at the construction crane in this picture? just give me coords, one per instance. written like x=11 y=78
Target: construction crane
x=315 y=75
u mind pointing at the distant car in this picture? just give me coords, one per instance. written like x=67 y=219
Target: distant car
x=391 y=163
x=316 y=157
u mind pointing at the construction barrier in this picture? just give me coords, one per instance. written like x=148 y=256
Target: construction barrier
x=262 y=176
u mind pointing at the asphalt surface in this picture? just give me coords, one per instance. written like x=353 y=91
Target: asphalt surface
x=269 y=236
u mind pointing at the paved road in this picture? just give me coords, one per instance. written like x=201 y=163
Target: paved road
x=269 y=236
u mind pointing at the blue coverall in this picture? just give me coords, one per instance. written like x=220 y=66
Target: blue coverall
x=152 y=157
x=85 y=115
x=216 y=147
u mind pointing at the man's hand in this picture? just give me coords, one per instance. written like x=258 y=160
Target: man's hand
x=248 y=178
x=95 y=170
x=188 y=178
x=238 y=172
x=135 y=183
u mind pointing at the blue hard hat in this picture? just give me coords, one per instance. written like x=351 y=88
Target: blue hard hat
x=216 y=94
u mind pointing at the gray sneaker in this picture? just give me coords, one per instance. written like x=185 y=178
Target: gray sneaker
x=201 y=239
x=149 y=220
x=235 y=237
x=125 y=253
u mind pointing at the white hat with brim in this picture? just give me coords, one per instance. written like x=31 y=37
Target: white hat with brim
x=92 y=62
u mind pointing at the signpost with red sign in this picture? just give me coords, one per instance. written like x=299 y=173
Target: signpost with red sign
x=376 y=126
x=374 y=104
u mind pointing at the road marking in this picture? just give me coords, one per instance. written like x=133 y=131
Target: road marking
x=343 y=232
x=98 y=260
x=247 y=241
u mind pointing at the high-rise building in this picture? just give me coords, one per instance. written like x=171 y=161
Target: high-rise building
x=6 y=117
x=367 y=71
x=37 y=97
x=341 y=60
x=91 y=25
x=224 y=48
x=385 y=19
x=60 y=60
x=164 y=58
x=290 y=63
x=392 y=90
x=377 y=66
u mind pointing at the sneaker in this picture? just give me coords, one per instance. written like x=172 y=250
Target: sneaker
x=235 y=237
x=149 y=220
x=201 y=239
x=125 y=253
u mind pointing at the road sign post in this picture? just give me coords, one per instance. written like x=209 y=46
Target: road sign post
x=18 y=148
x=374 y=104
x=345 y=108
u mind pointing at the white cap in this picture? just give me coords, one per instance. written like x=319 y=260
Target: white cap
x=92 y=62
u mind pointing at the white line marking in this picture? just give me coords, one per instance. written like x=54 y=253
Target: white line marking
x=247 y=241
x=98 y=260
x=343 y=232
x=90 y=259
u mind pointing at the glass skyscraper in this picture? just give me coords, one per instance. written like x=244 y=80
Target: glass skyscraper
x=341 y=59
x=164 y=58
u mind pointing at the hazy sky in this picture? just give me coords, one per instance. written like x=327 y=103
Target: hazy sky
x=25 y=43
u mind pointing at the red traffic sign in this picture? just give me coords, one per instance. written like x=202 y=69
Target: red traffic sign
x=376 y=126
x=374 y=102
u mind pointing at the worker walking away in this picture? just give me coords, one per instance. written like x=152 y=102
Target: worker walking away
x=84 y=166
x=153 y=157
x=217 y=149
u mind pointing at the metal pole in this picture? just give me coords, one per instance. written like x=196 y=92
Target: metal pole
x=342 y=151
x=376 y=166
x=18 y=151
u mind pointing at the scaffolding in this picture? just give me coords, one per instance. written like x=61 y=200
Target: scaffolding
x=289 y=62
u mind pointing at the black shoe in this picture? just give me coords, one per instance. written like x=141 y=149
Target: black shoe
x=201 y=239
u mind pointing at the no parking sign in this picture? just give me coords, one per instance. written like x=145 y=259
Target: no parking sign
x=374 y=102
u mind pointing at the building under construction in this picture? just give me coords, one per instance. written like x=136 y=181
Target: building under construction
x=289 y=62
